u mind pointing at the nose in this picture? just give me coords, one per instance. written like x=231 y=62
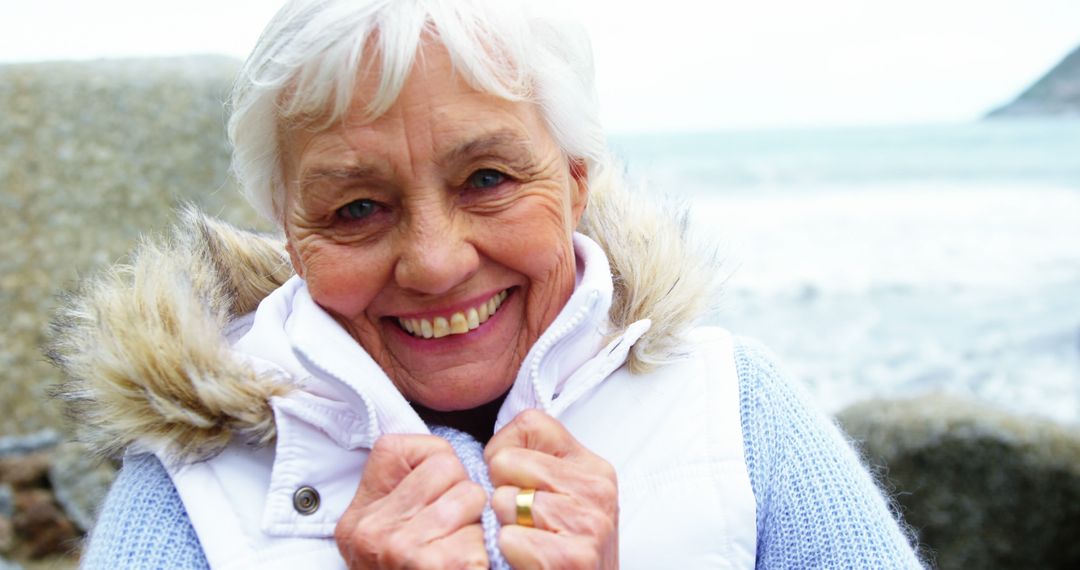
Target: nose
x=435 y=253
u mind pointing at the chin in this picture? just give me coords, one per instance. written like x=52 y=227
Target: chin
x=465 y=398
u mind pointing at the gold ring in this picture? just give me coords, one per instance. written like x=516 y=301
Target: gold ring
x=524 y=506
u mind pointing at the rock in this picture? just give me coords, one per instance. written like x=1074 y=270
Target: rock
x=7 y=500
x=91 y=155
x=80 y=482
x=1056 y=93
x=41 y=526
x=7 y=535
x=24 y=471
x=983 y=489
x=24 y=444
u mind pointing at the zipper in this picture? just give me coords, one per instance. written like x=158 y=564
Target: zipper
x=548 y=342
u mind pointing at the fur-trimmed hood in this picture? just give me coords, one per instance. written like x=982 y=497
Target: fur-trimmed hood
x=143 y=344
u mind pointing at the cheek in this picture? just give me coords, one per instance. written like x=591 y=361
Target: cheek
x=340 y=278
x=536 y=241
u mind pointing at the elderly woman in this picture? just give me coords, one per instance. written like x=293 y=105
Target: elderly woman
x=486 y=355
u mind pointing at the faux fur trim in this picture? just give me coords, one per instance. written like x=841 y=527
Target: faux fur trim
x=142 y=343
x=660 y=271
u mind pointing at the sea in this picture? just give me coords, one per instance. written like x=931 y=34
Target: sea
x=893 y=262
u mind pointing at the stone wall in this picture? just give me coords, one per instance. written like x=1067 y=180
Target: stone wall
x=91 y=155
x=982 y=488
x=49 y=495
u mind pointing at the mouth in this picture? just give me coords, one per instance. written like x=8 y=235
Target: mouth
x=456 y=323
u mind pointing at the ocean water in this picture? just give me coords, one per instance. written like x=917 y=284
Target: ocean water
x=895 y=261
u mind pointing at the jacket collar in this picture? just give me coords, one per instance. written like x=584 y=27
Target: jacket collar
x=292 y=334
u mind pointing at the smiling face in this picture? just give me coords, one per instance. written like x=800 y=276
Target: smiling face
x=438 y=235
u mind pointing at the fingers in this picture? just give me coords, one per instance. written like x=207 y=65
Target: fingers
x=395 y=456
x=423 y=485
x=386 y=537
x=463 y=548
x=553 y=512
x=459 y=507
x=525 y=547
x=576 y=472
x=575 y=509
x=415 y=500
x=591 y=480
x=533 y=429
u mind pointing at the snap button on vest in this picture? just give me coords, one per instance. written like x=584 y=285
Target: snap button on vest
x=306 y=500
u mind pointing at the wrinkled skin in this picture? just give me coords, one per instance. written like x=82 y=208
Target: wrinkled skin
x=416 y=507
x=576 y=506
x=462 y=195
x=449 y=198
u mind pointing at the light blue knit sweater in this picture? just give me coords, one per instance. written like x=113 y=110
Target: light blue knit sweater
x=817 y=507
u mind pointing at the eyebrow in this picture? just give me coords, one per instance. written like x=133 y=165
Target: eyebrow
x=487 y=144
x=352 y=173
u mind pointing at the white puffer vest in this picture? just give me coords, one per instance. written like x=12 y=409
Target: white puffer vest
x=673 y=435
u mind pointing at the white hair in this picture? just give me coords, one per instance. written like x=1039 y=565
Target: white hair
x=306 y=64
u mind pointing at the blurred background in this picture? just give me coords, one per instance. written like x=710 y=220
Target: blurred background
x=895 y=187
x=883 y=236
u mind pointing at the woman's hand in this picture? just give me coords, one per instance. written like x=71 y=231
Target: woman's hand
x=415 y=508
x=576 y=507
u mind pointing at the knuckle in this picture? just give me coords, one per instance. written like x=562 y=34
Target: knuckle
x=605 y=527
x=607 y=471
x=575 y=555
x=608 y=492
x=396 y=444
x=581 y=554
x=398 y=551
x=531 y=419
x=354 y=544
x=389 y=444
x=601 y=491
x=342 y=533
x=440 y=444
x=473 y=492
x=500 y=461
x=476 y=559
x=343 y=529
x=423 y=559
x=595 y=525
x=447 y=462
x=589 y=558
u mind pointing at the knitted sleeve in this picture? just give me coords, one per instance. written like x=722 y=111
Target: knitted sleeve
x=142 y=523
x=817 y=506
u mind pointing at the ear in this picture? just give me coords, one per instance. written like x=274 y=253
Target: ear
x=579 y=188
x=298 y=266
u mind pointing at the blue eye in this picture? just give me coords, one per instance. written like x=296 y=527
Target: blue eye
x=486 y=178
x=357 y=210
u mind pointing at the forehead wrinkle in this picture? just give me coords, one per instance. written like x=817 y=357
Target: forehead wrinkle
x=486 y=144
x=349 y=172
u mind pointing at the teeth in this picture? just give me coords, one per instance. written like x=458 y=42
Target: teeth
x=457 y=323
x=441 y=327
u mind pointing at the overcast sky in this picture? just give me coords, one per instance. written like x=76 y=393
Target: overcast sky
x=675 y=64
